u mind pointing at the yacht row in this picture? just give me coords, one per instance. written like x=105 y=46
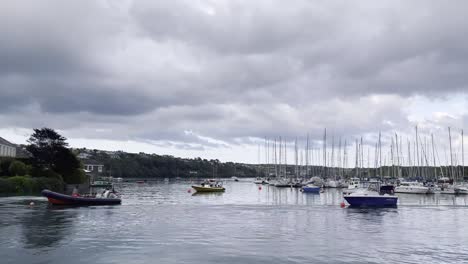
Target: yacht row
x=443 y=185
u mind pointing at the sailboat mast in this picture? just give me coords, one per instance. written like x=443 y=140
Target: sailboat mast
x=463 y=157
x=332 y=158
x=380 y=155
x=451 y=156
x=357 y=158
x=307 y=156
x=397 y=156
x=325 y=154
x=417 y=152
x=410 y=165
x=433 y=156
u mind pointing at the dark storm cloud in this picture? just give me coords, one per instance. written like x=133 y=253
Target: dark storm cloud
x=226 y=70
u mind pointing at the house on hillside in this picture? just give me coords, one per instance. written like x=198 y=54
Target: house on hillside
x=7 y=149
x=83 y=155
x=94 y=168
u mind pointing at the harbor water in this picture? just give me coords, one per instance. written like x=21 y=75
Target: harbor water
x=161 y=222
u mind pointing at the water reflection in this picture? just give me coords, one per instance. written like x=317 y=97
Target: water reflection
x=207 y=194
x=243 y=225
x=58 y=223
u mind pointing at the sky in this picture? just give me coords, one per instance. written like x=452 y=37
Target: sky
x=213 y=78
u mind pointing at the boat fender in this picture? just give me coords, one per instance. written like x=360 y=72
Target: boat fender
x=342 y=205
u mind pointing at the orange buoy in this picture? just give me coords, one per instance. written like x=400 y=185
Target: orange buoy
x=189 y=190
x=342 y=205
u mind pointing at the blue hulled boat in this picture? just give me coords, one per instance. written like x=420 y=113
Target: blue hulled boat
x=309 y=188
x=63 y=199
x=370 y=197
x=360 y=200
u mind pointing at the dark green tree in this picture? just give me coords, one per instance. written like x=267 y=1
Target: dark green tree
x=44 y=145
x=17 y=168
x=67 y=165
x=51 y=156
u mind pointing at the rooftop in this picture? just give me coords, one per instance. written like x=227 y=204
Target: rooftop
x=6 y=142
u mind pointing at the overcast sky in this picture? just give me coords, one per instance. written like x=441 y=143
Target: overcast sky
x=211 y=78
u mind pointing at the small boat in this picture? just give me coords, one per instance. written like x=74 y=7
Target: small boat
x=353 y=185
x=283 y=183
x=370 y=197
x=447 y=189
x=101 y=184
x=461 y=190
x=140 y=182
x=412 y=187
x=63 y=199
x=331 y=184
x=259 y=180
x=235 y=178
x=208 y=186
x=310 y=188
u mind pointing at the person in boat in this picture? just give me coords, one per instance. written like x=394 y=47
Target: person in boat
x=105 y=193
x=75 y=192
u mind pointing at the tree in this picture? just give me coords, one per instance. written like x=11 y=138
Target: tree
x=17 y=168
x=50 y=154
x=45 y=143
x=66 y=164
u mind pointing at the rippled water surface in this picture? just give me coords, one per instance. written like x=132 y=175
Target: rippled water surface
x=161 y=222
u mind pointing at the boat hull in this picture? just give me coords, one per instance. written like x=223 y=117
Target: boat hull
x=371 y=201
x=307 y=189
x=63 y=199
x=412 y=190
x=208 y=189
x=462 y=191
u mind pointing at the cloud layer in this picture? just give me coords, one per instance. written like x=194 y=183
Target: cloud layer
x=181 y=73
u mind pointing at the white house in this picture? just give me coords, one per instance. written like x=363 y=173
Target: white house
x=7 y=149
x=94 y=168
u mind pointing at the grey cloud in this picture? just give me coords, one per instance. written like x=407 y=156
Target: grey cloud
x=227 y=70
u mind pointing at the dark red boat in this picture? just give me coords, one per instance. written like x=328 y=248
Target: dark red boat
x=63 y=199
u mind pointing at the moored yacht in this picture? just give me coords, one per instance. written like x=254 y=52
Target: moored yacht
x=259 y=180
x=461 y=189
x=283 y=182
x=353 y=185
x=411 y=187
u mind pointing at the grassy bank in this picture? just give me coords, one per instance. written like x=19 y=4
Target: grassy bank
x=22 y=185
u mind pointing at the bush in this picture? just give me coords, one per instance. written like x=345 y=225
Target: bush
x=23 y=184
x=5 y=166
x=6 y=186
x=17 y=168
x=28 y=185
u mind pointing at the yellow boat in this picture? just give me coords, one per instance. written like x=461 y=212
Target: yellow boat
x=209 y=187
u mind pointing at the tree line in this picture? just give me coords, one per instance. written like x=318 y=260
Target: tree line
x=142 y=165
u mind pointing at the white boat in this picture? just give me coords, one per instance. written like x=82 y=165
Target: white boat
x=283 y=182
x=353 y=185
x=447 y=189
x=259 y=180
x=235 y=178
x=331 y=184
x=461 y=189
x=411 y=187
